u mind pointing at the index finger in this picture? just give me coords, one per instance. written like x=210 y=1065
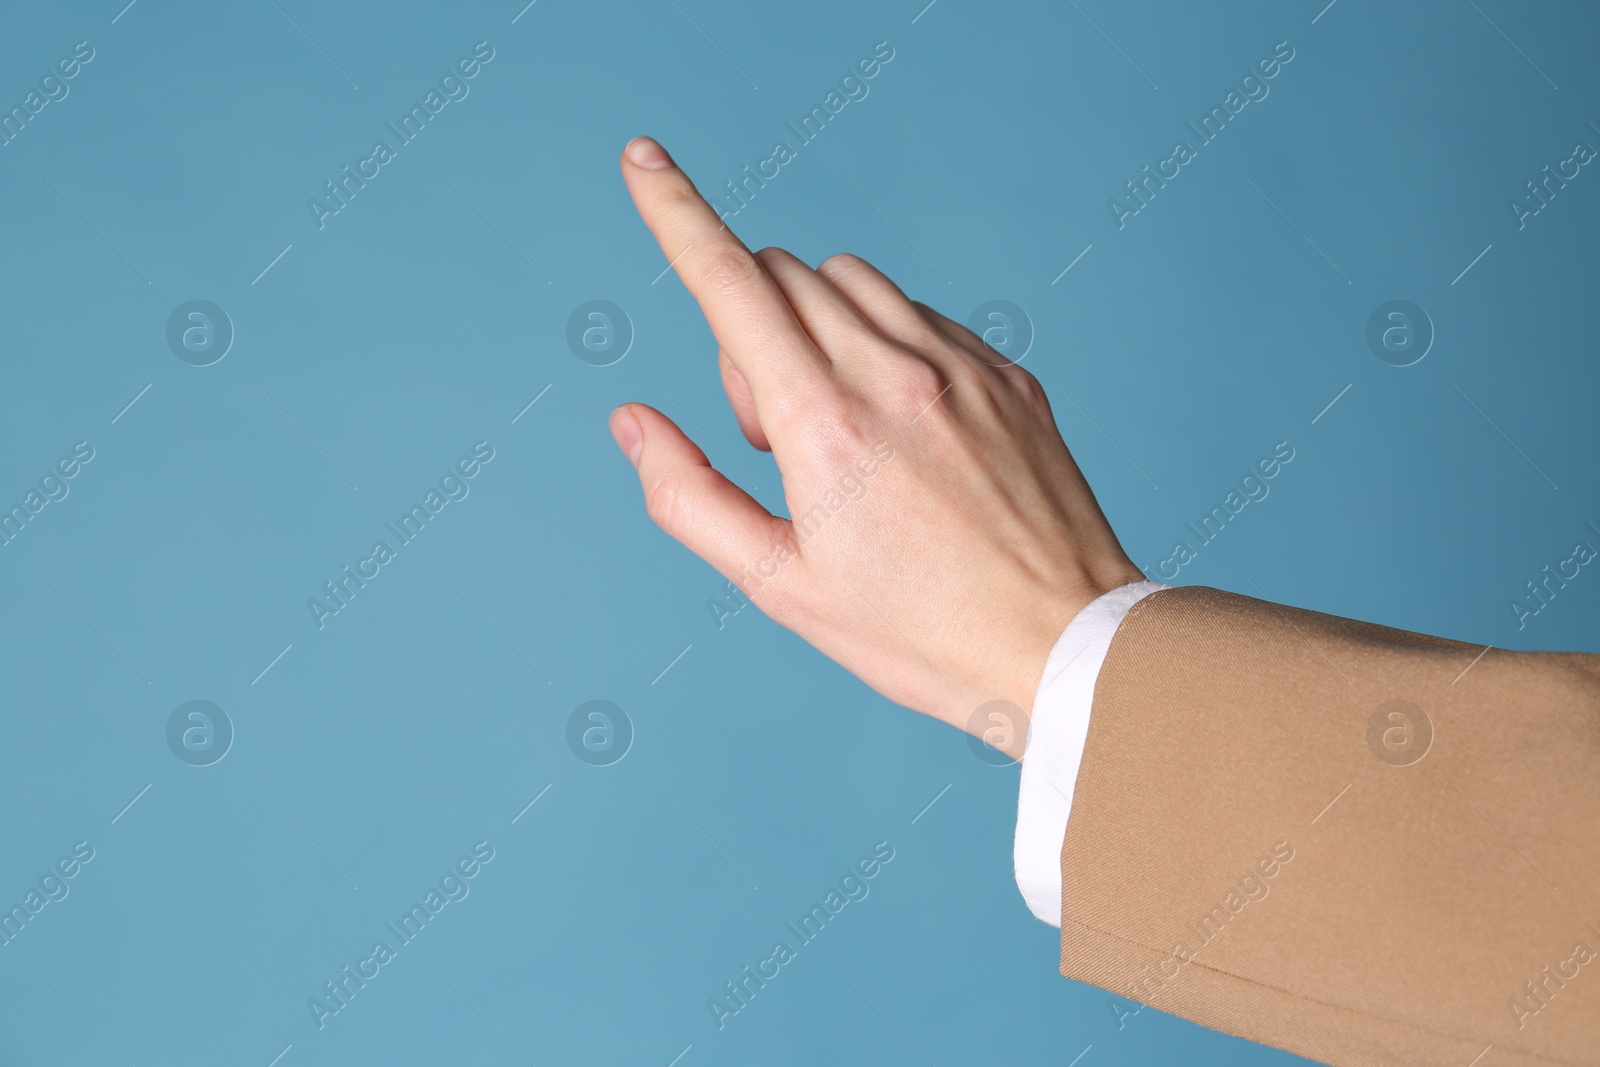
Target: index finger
x=747 y=311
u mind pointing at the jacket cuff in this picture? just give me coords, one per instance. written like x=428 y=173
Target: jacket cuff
x=1058 y=726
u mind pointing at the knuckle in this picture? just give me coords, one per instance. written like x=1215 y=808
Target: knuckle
x=917 y=380
x=1038 y=397
x=1031 y=388
x=728 y=268
x=927 y=392
x=662 y=499
x=947 y=328
x=849 y=432
x=802 y=414
x=841 y=264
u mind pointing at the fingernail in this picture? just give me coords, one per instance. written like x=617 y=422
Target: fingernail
x=644 y=152
x=630 y=437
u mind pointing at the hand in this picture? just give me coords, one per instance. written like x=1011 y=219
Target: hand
x=940 y=537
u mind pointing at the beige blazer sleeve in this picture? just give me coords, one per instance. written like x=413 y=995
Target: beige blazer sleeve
x=1361 y=845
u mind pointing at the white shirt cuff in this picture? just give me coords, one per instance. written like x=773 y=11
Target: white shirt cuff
x=1058 y=728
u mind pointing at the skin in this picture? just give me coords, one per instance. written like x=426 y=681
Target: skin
x=944 y=576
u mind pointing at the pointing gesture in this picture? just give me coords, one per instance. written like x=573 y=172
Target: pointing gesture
x=940 y=536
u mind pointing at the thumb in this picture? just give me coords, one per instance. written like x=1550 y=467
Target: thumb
x=690 y=499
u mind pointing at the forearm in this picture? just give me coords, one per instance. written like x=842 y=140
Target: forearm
x=1425 y=868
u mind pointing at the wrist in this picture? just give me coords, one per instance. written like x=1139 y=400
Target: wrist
x=1004 y=721
x=1096 y=580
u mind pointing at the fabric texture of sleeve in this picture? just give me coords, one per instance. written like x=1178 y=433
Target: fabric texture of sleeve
x=1359 y=844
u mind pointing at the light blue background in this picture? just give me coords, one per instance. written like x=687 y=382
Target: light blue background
x=1195 y=338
